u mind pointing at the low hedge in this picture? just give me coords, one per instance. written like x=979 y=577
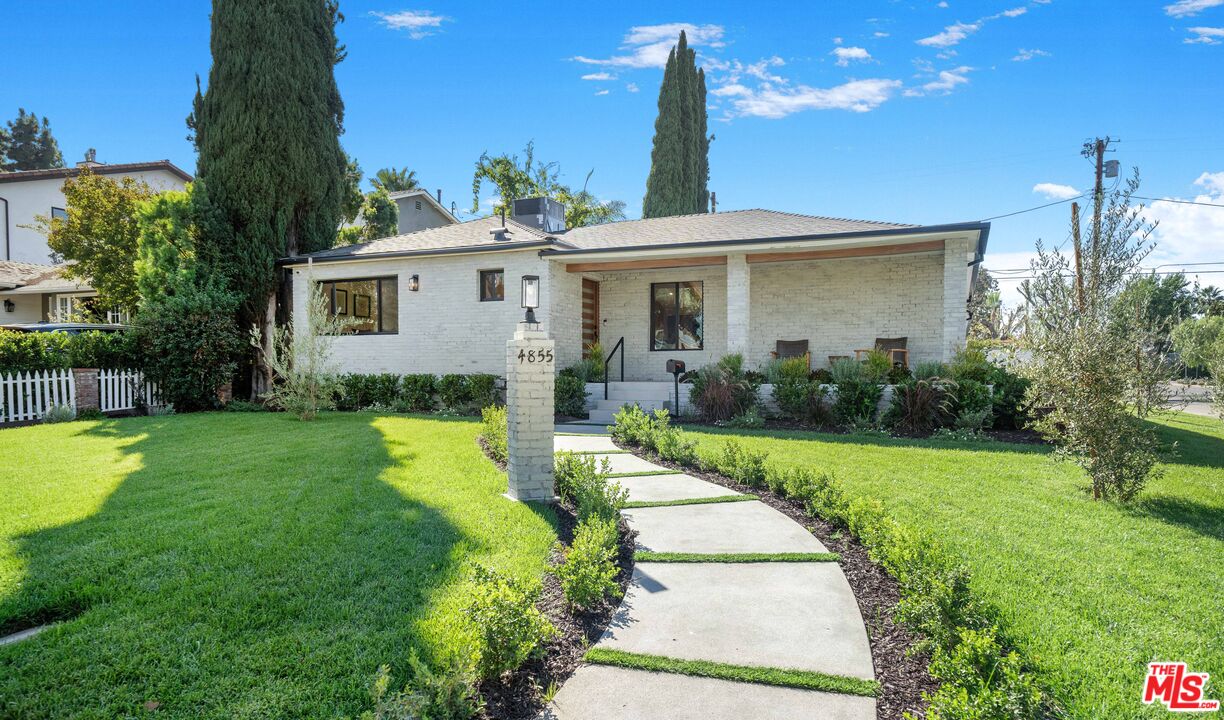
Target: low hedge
x=417 y=393
x=37 y=351
x=981 y=678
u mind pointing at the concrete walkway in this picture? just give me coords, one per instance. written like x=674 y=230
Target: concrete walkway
x=800 y=616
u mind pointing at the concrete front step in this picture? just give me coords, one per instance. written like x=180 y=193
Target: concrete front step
x=737 y=527
x=781 y=615
x=656 y=488
x=597 y=692
x=614 y=405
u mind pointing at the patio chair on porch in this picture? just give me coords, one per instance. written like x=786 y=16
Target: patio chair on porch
x=784 y=349
x=894 y=347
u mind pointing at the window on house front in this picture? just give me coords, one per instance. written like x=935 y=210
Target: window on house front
x=492 y=285
x=371 y=305
x=60 y=213
x=676 y=318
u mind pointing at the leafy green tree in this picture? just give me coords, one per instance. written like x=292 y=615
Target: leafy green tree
x=393 y=180
x=679 y=159
x=166 y=244
x=29 y=144
x=98 y=237
x=1199 y=341
x=1158 y=303
x=515 y=180
x=381 y=215
x=353 y=198
x=273 y=168
x=1208 y=300
x=1087 y=368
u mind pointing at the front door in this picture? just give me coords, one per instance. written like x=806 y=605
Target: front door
x=590 y=314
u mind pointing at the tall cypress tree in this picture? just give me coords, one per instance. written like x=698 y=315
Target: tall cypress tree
x=270 y=171
x=679 y=160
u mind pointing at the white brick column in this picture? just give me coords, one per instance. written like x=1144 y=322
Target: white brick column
x=955 y=296
x=738 y=291
x=530 y=368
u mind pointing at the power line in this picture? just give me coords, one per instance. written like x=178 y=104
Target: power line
x=1179 y=202
x=1140 y=271
x=1144 y=273
x=1039 y=207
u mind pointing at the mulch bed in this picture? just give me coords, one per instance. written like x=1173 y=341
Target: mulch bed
x=519 y=695
x=902 y=675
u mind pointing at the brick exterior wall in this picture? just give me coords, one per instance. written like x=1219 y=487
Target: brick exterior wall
x=443 y=327
x=565 y=314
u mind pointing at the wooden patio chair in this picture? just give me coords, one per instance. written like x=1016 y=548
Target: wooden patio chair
x=895 y=347
x=784 y=349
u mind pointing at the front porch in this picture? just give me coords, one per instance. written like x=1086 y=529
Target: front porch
x=700 y=307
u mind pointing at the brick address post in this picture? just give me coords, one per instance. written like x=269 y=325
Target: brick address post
x=529 y=414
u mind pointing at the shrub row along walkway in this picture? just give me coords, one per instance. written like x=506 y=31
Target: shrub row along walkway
x=737 y=613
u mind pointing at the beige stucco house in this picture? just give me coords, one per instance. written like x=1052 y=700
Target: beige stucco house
x=694 y=287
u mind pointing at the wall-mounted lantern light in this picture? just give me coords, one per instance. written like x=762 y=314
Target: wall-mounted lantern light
x=531 y=296
x=9 y=305
x=414 y=283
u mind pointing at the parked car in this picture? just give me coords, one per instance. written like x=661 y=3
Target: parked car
x=67 y=328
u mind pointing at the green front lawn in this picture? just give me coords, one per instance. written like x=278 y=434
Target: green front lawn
x=1089 y=591
x=242 y=565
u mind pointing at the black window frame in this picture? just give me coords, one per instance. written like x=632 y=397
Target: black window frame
x=480 y=285
x=378 y=281
x=650 y=340
x=63 y=213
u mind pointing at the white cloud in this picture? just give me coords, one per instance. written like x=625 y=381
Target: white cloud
x=1206 y=36
x=1190 y=233
x=1015 y=12
x=1054 y=191
x=773 y=102
x=847 y=54
x=951 y=35
x=647 y=46
x=417 y=23
x=837 y=41
x=1189 y=8
x=942 y=4
x=599 y=76
x=946 y=54
x=603 y=92
x=946 y=82
x=1023 y=55
x=631 y=87
x=731 y=90
x=879 y=34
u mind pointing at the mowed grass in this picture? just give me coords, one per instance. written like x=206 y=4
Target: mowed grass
x=1089 y=591
x=242 y=565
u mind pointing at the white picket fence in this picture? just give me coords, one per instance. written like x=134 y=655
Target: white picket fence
x=26 y=396
x=125 y=390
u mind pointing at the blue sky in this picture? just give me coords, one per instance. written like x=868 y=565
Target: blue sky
x=922 y=111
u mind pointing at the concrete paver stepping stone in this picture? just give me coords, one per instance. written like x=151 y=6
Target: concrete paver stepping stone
x=654 y=488
x=783 y=615
x=584 y=443
x=609 y=693
x=736 y=527
x=626 y=463
x=582 y=428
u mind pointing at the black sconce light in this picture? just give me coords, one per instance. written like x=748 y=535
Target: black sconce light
x=414 y=283
x=9 y=305
x=531 y=296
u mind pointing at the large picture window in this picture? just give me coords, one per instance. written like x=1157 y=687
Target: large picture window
x=676 y=319
x=370 y=304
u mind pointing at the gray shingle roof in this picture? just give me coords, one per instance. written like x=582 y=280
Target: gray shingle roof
x=734 y=225
x=14 y=274
x=458 y=236
x=705 y=227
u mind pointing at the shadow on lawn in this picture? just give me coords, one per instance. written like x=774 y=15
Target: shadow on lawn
x=1194 y=445
x=273 y=571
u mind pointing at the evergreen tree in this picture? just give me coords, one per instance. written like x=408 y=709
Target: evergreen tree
x=29 y=144
x=267 y=132
x=679 y=161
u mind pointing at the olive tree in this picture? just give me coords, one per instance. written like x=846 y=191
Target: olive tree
x=1087 y=370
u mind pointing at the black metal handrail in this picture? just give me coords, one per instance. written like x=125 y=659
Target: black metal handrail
x=618 y=347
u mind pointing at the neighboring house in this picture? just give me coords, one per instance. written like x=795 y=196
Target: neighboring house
x=32 y=293
x=694 y=287
x=418 y=210
x=29 y=193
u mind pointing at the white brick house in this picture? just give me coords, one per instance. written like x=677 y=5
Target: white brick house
x=693 y=287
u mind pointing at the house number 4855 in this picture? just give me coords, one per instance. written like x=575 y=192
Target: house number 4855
x=535 y=356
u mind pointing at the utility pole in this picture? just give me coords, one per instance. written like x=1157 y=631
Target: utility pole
x=1095 y=149
x=1079 y=267
x=713 y=202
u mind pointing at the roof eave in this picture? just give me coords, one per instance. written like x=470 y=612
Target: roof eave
x=425 y=252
